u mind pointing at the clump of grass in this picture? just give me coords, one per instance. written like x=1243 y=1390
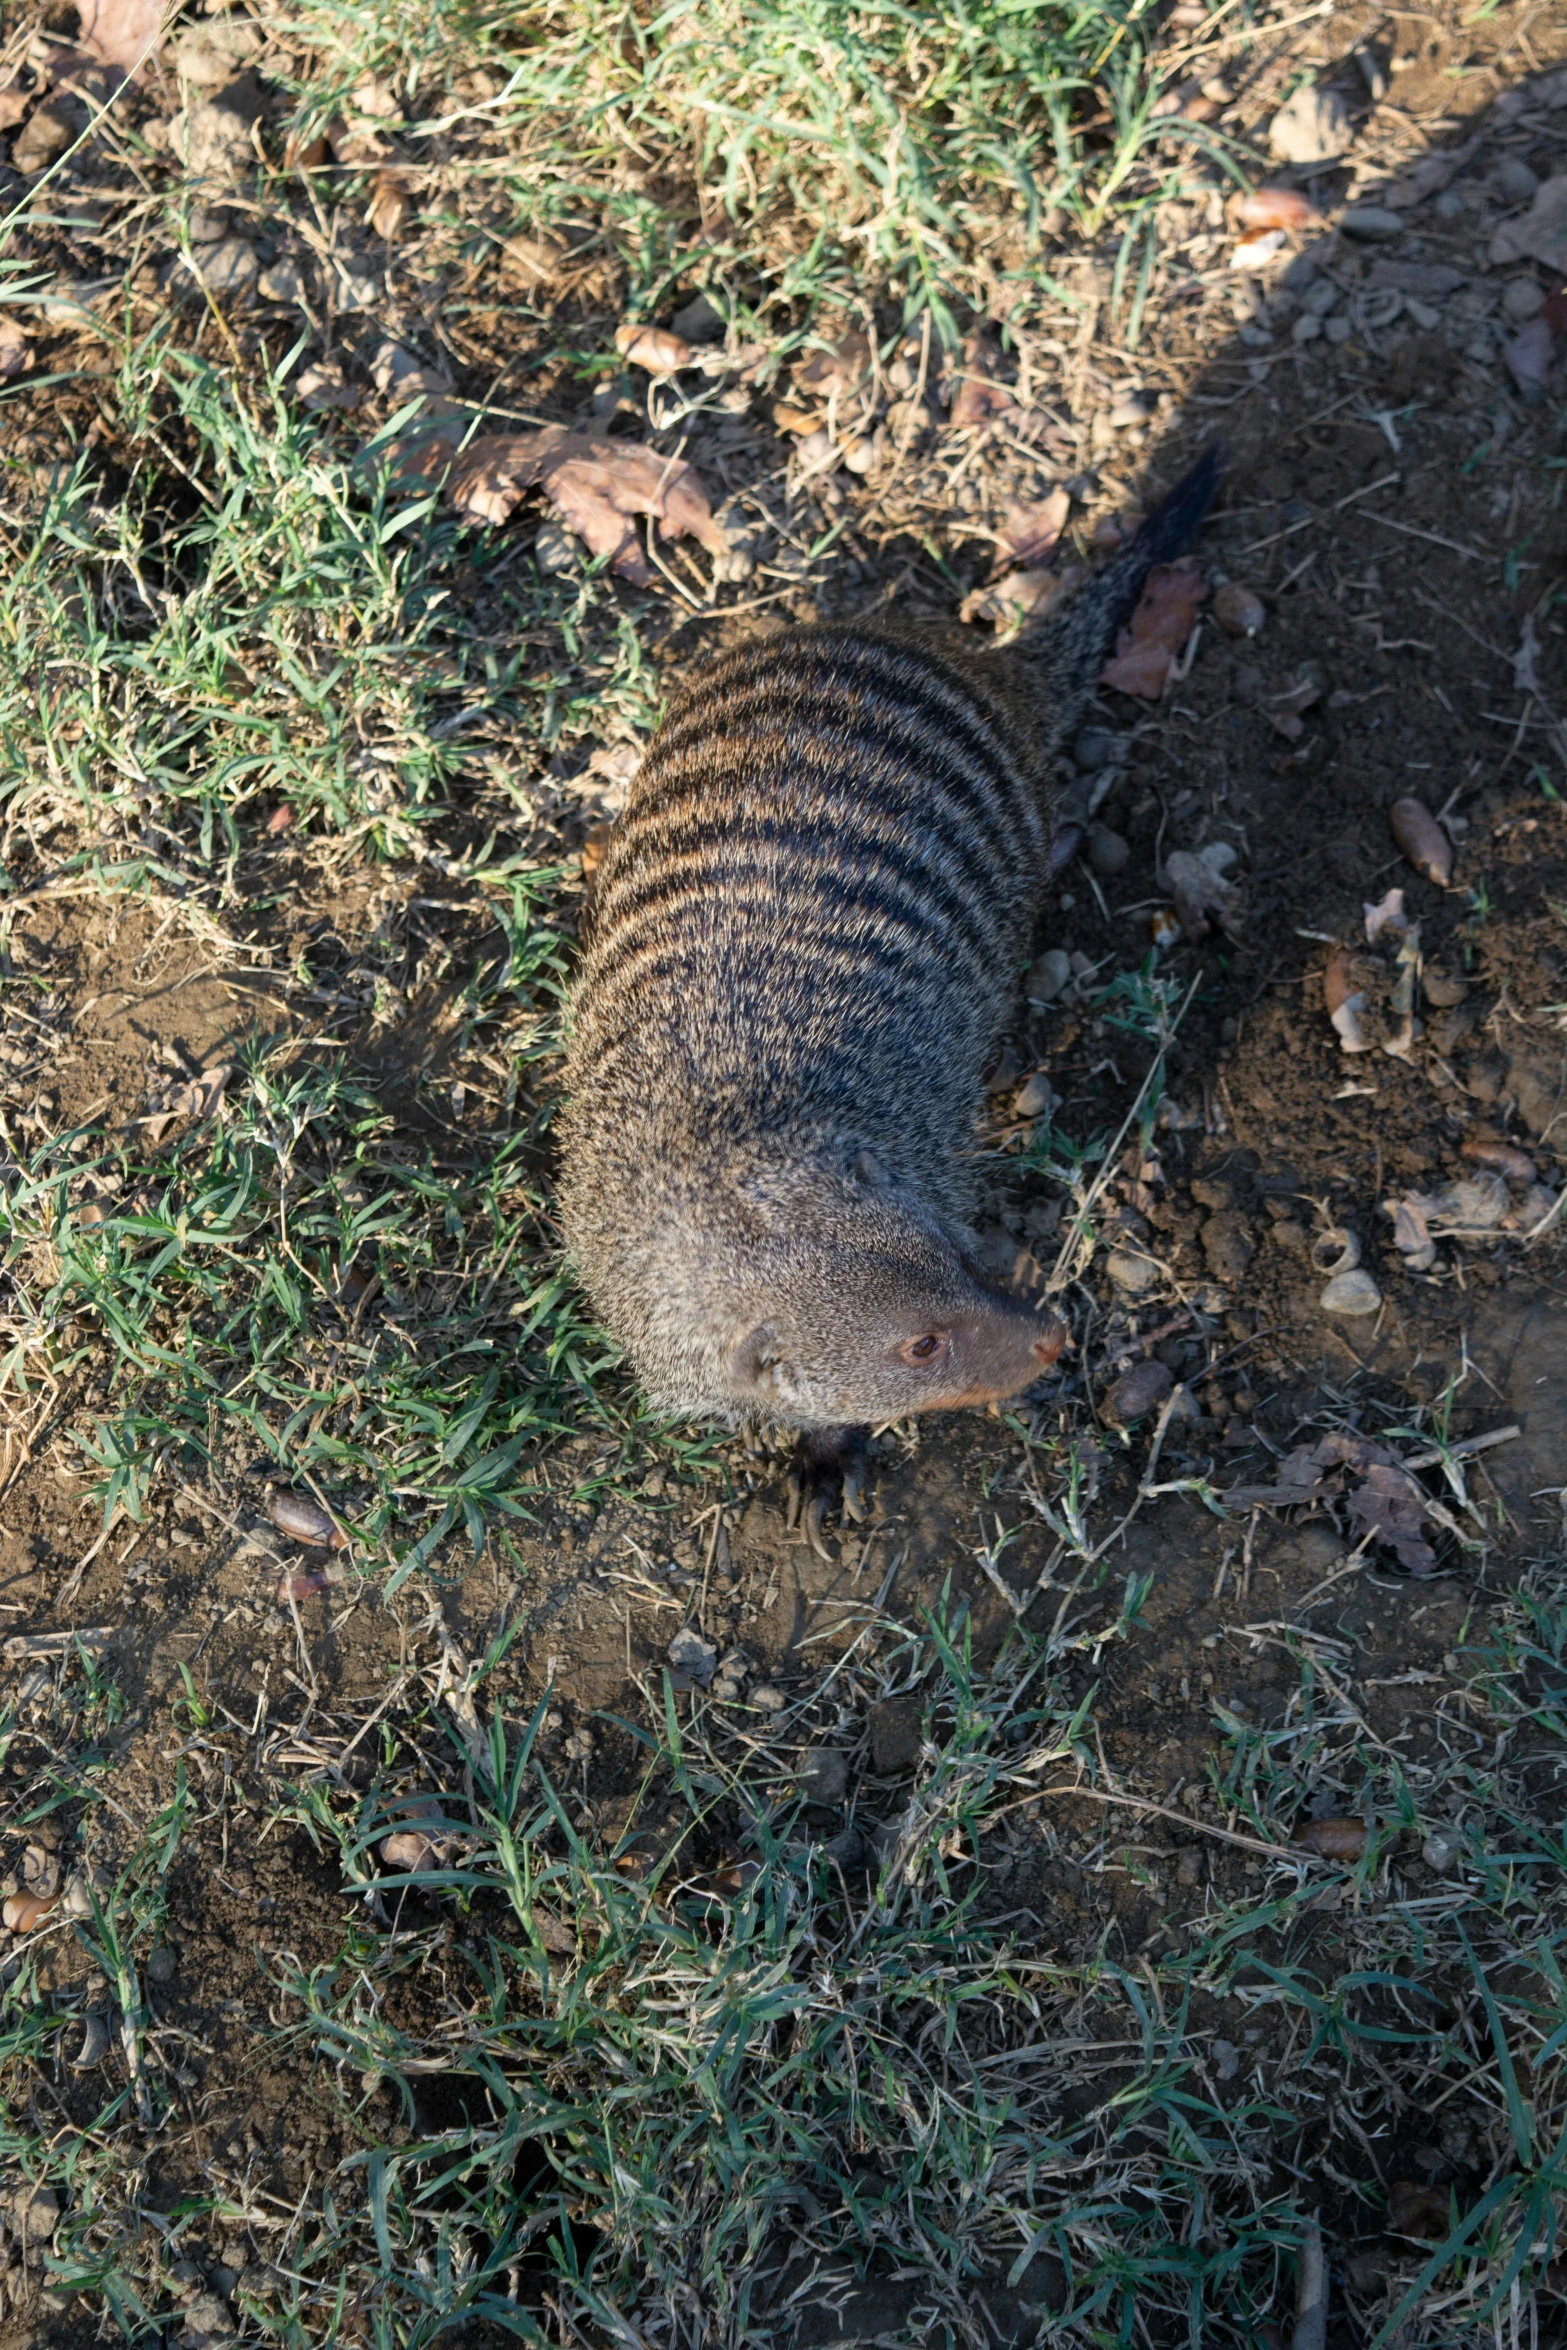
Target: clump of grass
x=917 y=149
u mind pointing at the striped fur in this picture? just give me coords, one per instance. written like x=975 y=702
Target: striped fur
x=807 y=931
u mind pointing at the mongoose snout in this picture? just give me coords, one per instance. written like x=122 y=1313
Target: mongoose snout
x=808 y=931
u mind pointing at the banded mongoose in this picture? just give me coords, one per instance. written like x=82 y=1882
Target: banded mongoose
x=807 y=934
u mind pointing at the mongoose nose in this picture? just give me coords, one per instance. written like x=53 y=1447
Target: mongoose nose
x=1051 y=1339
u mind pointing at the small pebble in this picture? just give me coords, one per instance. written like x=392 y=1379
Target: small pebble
x=161 y=1965
x=1096 y=747
x=824 y=1774
x=1107 y=851
x=1312 y=126
x=690 y=1654
x=1036 y=1098
x=1523 y=297
x=1371 y=222
x=1049 y=976
x=1334 y=1839
x=1306 y=329
x=1514 y=180
x=1442 y=991
x=1136 y=1393
x=555 y=548
x=1132 y=1274
x=768 y=1699
x=1353 y=1292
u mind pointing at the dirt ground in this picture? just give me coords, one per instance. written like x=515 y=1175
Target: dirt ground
x=1394 y=499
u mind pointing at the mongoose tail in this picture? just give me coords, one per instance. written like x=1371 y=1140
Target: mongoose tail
x=1068 y=651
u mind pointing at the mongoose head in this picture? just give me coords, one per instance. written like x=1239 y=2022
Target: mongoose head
x=887 y=1315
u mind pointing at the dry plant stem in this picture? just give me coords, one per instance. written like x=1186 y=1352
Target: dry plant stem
x=1311 y=2297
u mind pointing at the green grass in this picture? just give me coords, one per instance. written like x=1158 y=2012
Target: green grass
x=730 y=2071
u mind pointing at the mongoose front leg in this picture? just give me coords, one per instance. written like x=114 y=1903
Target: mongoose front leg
x=830 y=1470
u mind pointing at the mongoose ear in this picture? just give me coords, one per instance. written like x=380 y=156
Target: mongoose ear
x=868 y=1169
x=753 y=1359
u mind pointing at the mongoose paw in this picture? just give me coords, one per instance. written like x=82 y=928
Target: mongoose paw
x=830 y=1470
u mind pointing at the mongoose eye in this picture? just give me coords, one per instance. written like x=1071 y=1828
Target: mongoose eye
x=920 y=1350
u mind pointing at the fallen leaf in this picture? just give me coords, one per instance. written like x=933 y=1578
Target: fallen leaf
x=527 y=262
x=197 y=1098
x=280 y=819
x=596 y=485
x=1411 y=1235
x=1009 y=601
x=654 y=348
x=15 y=351
x=122 y=33
x=1390 y=1506
x=1383 y=1498
x=1146 y=651
x=1030 y=534
x=1429 y=176
x=1204 y=900
x=1297 y=694
x=1525 y=676
x=377 y=98
x=978 y=397
x=13 y=105
x=1541 y=233
x=1528 y=358
x=558 y=1939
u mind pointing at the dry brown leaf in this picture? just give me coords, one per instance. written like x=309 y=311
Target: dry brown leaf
x=1388 y=1504
x=1541 y=234
x=654 y=348
x=1030 y=534
x=596 y=485
x=121 y=33
x=1009 y=601
x=839 y=371
x=325 y=386
x=13 y=105
x=1383 y=1498
x=1204 y=900
x=1147 y=650
x=978 y=397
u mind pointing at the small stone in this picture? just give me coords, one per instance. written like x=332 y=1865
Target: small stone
x=213 y=142
x=1097 y=747
x=45 y=135
x=1228 y=1246
x=1369 y=222
x=1514 y=180
x=1212 y=1192
x=1132 y=1274
x=1312 y=127
x=161 y=1965
x=1351 y=1293
x=1338 y=330
x=895 y=1726
x=1049 y=976
x=1036 y=1098
x=228 y=267
x=555 y=548
x=35 y=2213
x=1523 y=297
x=210 y=55
x=700 y=322
x=845 y=1851
x=1306 y=329
x=690 y=1654
x=768 y=1699
x=281 y=281
x=824 y=1774
x=1136 y=1393
x=1226 y=2060
x=724 y=1691
x=1107 y=850
x=1442 y=990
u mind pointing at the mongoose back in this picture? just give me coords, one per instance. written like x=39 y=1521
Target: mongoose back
x=806 y=937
